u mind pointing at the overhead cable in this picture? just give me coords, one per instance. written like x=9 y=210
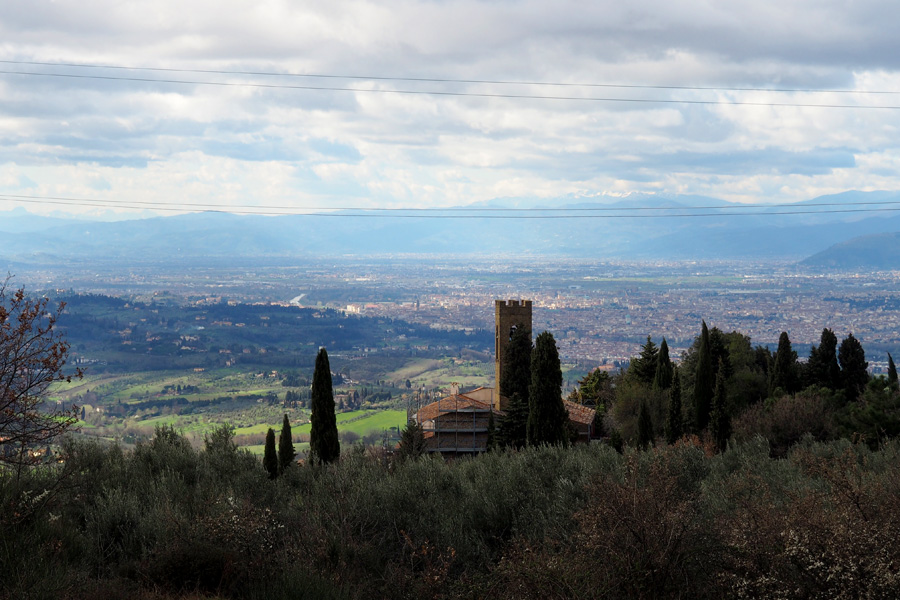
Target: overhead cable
x=445 y=79
x=452 y=93
x=452 y=213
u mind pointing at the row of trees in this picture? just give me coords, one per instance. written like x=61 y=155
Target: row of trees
x=722 y=376
x=531 y=380
x=324 y=444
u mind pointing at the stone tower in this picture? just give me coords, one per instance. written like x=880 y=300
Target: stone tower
x=507 y=315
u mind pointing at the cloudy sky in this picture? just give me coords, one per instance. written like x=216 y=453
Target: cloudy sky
x=266 y=140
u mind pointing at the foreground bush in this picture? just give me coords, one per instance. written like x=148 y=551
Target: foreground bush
x=169 y=521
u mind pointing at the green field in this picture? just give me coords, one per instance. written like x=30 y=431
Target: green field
x=360 y=422
x=129 y=407
x=433 y=373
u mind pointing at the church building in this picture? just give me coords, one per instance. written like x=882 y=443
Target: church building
x=459 y=424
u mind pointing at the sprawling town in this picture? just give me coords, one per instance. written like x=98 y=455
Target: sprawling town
x=599 y=312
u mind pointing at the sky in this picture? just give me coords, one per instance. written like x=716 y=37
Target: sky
x=130 y=138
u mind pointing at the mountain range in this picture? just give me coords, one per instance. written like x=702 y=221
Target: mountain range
x=643 y=227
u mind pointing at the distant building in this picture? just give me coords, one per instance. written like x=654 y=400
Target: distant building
x=508 y=315
x=457 y=425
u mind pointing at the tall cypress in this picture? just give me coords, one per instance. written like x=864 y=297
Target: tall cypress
x=515 y=374
x=323 y=435
x=515 y=378
x=828 y=350
x=853 y=367
x=892 y=373
x=645 y=427
x=720 y=420
x=674 y=419
x=784 y=371
x=662 y=380
x=270 y=457
x=286 y=451
x=547 y=415
x=703 y=382
x=513 y=429
x=822 y=368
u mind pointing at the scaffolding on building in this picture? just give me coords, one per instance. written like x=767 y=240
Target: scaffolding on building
x=456 y=424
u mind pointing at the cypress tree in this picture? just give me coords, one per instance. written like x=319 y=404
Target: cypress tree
x=643 y=368
x=674 y=419
x=720 y=421
x=662 y=380
x=892 y=373
x=515 y=377
x=822 y=368
x=513 y=430
x=784 y=371
x=828 y=350
x=703 y=382
x=324 y=445
x=645 y=427
x=547 y=415
x=270 y=457
x=286 y=451
x=853 y=367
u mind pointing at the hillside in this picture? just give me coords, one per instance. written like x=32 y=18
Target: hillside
x=878 y=252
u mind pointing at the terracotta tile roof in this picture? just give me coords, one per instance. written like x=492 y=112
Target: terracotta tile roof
x=479 y=388
x=580 y=414
x=458 y=402
x=461 y=402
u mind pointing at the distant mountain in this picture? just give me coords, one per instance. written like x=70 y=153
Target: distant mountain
x=663 y=227
x=880 y=252
x=19 y=220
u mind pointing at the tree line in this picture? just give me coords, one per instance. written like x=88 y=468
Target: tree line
x=725 y=387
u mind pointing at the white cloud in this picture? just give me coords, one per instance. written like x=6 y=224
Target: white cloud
x=234 y=146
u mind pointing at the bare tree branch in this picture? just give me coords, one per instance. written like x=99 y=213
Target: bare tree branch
x=32 y=356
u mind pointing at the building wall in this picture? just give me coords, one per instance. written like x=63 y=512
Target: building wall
x=454 y=432
x=485 y=394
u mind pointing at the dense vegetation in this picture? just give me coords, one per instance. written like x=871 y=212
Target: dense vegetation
x=781 y=508
x=726 y=390
x=122 y=335
x=166 y=520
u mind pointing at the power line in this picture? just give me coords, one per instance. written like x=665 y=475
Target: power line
x=434 y=213
x=153 y=203
x=449 y=93
x=448 y=80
